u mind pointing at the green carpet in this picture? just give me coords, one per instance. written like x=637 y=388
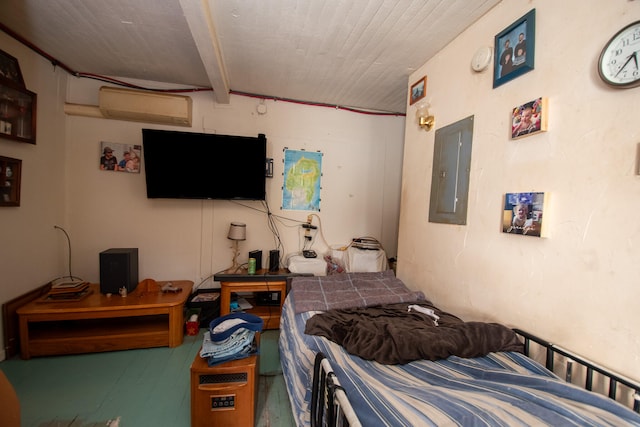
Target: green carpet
x=269 y=355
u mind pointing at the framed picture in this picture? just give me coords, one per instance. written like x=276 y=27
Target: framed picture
x=10 y=173
x=120 y=157
x=17 y=113
x=514 y=49
x=529 y=118
x=523 y=214
x=10 y=69
x=418 y=90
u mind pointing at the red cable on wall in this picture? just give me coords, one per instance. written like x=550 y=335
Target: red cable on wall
x=111 y=80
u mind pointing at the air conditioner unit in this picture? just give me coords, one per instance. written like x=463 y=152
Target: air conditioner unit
x=145 y=106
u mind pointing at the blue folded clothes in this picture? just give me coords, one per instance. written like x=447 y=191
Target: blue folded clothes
x=231 y=337
x=223 y=327
x=231 y=345
x=250 y=349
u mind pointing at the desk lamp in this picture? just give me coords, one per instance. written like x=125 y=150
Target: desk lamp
x=237 y=232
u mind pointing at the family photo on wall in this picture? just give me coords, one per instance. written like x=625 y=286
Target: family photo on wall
x=514 y=49
x=120 y=157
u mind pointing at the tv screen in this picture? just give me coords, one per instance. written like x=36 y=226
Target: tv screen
x=188 y=165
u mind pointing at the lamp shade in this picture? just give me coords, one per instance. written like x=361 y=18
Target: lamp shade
x=422 y=110
x=237 y=231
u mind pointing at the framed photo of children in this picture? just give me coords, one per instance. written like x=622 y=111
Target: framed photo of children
x=120 y=157
x=418 y=90
x=514 y=49
x=523 y=214
x=529 y=118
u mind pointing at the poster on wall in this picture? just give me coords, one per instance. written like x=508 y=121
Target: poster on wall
x=120 y=157
x=523 y=214
x=302 y=173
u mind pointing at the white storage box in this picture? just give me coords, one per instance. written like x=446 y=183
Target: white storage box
x=300 y=264
x=365 y=260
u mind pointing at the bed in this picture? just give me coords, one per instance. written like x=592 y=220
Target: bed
x=500 y=388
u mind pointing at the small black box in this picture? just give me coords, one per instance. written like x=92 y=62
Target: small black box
x=268 y=298
x=208 y=301
x=118 y=269
x=258 y=256
x=274 y=260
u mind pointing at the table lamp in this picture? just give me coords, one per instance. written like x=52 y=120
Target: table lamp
x=237 y=232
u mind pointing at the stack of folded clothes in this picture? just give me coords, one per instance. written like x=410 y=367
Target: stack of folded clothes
x=231 y=337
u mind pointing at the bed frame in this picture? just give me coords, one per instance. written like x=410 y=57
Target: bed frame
x=330 y=405
x=613 y=379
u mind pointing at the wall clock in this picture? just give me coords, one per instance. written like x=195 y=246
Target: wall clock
x=619 y=64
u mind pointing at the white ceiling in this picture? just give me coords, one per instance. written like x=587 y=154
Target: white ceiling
x=352 y=53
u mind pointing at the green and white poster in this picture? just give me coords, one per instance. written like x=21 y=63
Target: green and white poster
x=302 y=172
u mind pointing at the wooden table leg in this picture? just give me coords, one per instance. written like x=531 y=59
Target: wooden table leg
x=176 y=324
x=24 y=338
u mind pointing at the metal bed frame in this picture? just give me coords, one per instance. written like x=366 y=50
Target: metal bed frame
x=330 y=405
x=589 y=368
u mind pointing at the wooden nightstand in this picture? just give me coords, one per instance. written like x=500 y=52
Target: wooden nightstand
x=262 y=281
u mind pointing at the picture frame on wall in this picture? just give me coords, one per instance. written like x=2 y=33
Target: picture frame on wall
x=418 y=90
x=514 y=49
x=117 y=157
x=10 y=180
x=10 y=69
x=529 y=118
x=523 y=214
x=17 y=113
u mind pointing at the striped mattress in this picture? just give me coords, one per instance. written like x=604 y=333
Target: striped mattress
x=500 y=389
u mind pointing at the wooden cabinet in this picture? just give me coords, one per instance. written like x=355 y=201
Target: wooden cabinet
x=262 y=281
x=17 y=104
x=10 y=177
x=17 y=113
x=99 y=322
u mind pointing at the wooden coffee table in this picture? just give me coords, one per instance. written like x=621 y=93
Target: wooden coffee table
x=147 y=317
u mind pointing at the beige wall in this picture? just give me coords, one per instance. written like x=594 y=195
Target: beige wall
x=31 y=250
x=182 y=239
x=362 y=158
x=578 y=287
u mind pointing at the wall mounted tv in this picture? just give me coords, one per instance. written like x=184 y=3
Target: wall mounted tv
x=188 y=165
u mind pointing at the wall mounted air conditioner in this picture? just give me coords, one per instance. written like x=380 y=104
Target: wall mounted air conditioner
x=145 y=106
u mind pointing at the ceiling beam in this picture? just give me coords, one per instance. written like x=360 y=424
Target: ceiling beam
x=200 y=21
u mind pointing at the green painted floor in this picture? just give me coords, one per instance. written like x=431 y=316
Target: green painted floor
x=133 y=388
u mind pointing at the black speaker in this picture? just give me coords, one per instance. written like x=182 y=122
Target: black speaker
x=258 y=256
x=118 y=269
x=274 y=260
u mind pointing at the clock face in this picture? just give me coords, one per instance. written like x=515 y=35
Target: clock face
x=619 y=63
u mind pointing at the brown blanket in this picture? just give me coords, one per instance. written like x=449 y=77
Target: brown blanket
x=389 y=334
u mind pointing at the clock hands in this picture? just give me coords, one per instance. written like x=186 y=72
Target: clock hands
x=633 y=56
x=619 y=56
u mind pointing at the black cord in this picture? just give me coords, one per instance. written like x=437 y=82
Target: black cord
x=69 y=246
x=272 y=224
x=274 y=230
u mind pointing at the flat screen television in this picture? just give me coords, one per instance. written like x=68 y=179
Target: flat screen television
x=189 y=165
